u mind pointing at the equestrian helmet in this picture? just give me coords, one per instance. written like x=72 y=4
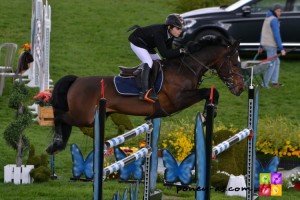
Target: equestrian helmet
x=175 y=20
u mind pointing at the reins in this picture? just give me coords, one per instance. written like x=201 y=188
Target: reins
x=201 y=64
x=212 y=70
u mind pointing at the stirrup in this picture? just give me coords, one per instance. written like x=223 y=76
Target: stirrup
x=150 y=99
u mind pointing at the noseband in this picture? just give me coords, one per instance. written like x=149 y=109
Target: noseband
x=228 y=81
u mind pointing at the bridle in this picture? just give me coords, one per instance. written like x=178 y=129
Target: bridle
x=197 y=61
x=228 y=80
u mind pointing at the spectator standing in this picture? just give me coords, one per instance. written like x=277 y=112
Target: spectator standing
x=271 y=42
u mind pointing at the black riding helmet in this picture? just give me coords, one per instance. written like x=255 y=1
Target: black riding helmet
x=175 y=20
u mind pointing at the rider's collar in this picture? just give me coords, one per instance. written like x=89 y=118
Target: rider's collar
x=169 y=34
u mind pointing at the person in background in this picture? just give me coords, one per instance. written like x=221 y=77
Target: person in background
x=271 y=42
x=144 y=41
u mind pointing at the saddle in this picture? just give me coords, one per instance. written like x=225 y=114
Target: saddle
x=155 y=80
x=130 y=72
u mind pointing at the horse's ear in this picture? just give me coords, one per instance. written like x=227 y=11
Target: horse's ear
x=235 y=44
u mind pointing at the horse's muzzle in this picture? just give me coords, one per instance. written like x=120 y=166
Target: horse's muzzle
x=238 y=90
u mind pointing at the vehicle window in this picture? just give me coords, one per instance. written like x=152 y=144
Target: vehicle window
x=292 y=6
x=265 y=5
x=296 y=7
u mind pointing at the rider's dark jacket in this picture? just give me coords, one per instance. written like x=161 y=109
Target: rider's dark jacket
x=154 y=36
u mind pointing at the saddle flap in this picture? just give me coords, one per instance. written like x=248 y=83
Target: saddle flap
x=130 y=71
x=131 y=85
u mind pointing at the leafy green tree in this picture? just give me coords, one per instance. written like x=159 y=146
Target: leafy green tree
x=14 y=132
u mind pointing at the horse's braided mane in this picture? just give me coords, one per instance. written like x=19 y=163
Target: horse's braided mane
x=198 y=45
x=195 y=46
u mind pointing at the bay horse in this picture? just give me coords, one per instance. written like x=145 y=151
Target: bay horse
x=74 y=98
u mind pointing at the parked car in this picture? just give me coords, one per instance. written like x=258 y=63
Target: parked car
x=243 y=21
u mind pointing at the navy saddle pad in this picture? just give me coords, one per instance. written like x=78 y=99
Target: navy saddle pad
x=128 y=85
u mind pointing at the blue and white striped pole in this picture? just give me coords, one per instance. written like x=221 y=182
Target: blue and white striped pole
x=130 y=134
x=231 y=141
x=129 y=159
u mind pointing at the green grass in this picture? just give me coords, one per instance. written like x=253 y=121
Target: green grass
x=88 y=38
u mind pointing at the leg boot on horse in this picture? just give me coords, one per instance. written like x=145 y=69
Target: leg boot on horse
x=146 y=93
x=208 y=101
x=62 y=134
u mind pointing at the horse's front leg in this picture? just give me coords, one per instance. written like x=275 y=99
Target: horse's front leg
x=190 y=97
x=215 y=101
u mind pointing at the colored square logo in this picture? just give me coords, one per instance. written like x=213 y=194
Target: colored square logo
x=276 y=178
x=276 y=190
x=265 y=190
x=264 y=178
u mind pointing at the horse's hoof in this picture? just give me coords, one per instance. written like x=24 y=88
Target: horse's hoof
x=54 y=148
x=51 y=150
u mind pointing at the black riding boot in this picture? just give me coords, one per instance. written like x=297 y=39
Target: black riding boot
x=145 y=94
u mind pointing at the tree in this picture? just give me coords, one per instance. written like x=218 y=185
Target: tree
x=14 y=132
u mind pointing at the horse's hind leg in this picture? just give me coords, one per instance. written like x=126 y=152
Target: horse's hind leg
x=62 y=134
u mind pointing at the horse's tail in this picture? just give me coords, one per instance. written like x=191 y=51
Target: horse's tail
x=59 y=99
x=60 y=106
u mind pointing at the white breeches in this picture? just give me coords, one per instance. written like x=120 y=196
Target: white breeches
x=144 y=55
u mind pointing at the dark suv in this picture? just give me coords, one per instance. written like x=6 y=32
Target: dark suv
x=243 y=21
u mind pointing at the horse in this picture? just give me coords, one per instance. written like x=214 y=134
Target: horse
x=74 y=98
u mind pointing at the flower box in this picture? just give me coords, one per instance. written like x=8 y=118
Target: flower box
x=46 y=116
x=17 y=175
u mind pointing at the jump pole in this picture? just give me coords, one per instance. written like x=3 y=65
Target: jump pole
x=204 y=151
x=231 y=141
x=202 y=155
x=208 y=141
x=155 y=194
x=99 y=128
x=129 y=159
x=200 y=168
x=250 y=144
x=149 y=152
x=128 y=135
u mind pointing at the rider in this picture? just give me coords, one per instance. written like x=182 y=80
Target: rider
x=143 y=41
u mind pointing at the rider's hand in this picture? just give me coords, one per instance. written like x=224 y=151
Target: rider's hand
x=183 y=50
x=283 y=52
x=259 y=50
